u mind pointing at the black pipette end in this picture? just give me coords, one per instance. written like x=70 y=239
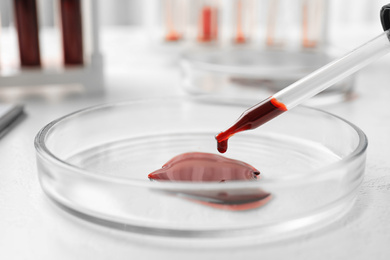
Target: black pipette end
x=385 y=17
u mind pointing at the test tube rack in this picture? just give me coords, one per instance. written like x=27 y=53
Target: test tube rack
x=88 y=77
x=268 y=24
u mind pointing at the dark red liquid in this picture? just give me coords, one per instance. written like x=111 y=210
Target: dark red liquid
x=251 y=119
x=207 y=167
x=27 y=26
x=72 y=36
x=204 y=167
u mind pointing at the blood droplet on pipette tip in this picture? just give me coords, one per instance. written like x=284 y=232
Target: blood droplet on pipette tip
x=251 y=119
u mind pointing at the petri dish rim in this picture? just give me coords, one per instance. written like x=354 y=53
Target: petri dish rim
x=43 y=151
x=190 y=59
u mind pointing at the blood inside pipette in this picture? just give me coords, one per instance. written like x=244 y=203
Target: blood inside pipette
x=250 y=119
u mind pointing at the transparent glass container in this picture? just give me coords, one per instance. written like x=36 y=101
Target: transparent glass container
x=94 y=163
x=248 y=73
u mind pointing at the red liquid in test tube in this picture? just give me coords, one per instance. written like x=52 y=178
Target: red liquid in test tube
x=208 y=24
x=243 y=20
x=27 y=26
x=72 y=35
x=240 y=37
x=173 y=12
x=312 y=18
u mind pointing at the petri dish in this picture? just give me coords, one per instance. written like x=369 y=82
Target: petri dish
x=94 y=163
x=249 y=73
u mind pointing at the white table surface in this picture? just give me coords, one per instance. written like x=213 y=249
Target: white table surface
x=32 y=227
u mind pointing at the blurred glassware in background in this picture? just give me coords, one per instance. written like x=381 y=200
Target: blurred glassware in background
x=225 y=34
x=254 y=48
x=246 y=48
x=266 y=18
x=58 y=52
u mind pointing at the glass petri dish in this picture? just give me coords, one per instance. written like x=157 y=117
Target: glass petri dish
x=94 y=163
x=249 y=73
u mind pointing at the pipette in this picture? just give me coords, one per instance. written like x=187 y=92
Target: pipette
x=312 y=84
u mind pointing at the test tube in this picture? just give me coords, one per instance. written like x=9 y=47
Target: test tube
x=243 y=18
x=174 y=19
x=72 y=35
x=207 y=20
x=312 y=22
x=27 y=26
x=274 y=32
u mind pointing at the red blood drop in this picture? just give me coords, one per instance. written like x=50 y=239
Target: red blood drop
x=208 y=167
x=204 y=167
